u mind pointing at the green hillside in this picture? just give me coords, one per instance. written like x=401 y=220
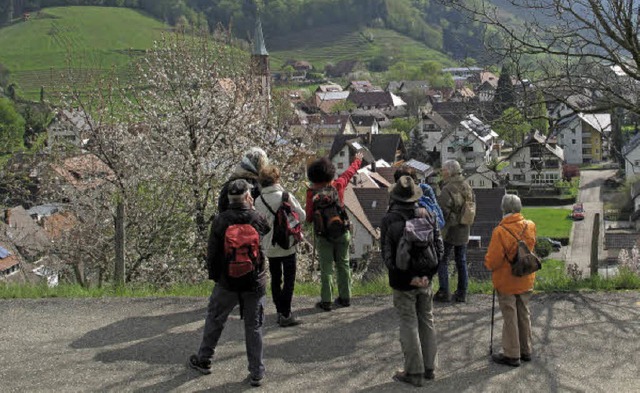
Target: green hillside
x=95 y=38
x=332 y=43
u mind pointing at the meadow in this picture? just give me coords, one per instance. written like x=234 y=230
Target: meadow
x=550 y=222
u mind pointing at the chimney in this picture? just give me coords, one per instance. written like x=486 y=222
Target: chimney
x=7 y=216
x=373 y=166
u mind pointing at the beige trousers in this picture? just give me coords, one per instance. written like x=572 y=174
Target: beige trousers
x=516 y=328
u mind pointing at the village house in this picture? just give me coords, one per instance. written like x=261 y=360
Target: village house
x=69 y=128
x=483 y=178
x=9 y=262
x=631 y=154
x=471 y=143
x=330 y=87
x=324 y=128
x=432 y=125
x=424 y=172
x=408 y=87
x=634 y=219
x=581 y=137
x=362 y=87
x=326 y=101
x=463 y=72
x=366 y=124
x=383 y=100
x=537 y=162
x=387 y=147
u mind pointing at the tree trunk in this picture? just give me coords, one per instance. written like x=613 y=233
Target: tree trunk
x=119 y=269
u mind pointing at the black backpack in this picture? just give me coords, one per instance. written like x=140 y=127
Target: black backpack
x=330 y=219
x=416 y=250
x=286 y=224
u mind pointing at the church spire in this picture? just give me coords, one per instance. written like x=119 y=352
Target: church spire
x=258 y=41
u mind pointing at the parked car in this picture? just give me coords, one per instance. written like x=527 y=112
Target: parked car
x=554 y=243
x=578 y=212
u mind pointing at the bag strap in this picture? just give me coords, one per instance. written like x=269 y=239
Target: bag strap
x=267 y=205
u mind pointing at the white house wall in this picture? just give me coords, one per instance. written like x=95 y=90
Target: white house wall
x=361 y=239
x=570 y=139
x=341 y=160
x=469 y=160
x=632 y=163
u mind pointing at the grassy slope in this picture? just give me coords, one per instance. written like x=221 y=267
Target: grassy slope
x=333 y=43
x=95 y=37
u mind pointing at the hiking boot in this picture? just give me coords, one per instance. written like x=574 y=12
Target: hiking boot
x=287 y=321
x=340 y=302
x=507 y=361
x=255 y=381
x=429 y=374
x=525 y=357
x=460 y=297
x=442 y=296
x=411 y=379
x=326 y=306
x=202 y=366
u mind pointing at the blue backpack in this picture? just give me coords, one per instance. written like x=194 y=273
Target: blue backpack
x=429 y=202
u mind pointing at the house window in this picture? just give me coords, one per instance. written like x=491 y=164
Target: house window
x=342 y=153
x=636 y=163
x=573 y=141
x=519 y=164
x=450 y=149
x=471 y=183
x=518 y=177
x=340 y=165
x=467 y=149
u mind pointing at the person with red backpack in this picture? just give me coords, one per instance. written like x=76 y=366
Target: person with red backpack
x=325 y=209
x=281 y=208
x=235 y=262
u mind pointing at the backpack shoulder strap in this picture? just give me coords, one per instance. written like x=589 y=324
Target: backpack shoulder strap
x=267 y=205
x=285 y=196
x=510 y=232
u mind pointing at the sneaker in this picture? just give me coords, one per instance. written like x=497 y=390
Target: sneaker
x=429 y=374
x=411 y=379
x=460 y=297
x=255 y=381
x=442 y=296
x=507 y=361
x=202 y=366
x=340 y=302
x=287 y=321
x=326 y=306
x=525 y=357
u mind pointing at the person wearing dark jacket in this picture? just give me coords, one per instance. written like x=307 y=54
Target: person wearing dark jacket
x=412 y=290
x=248 y=290
x=248 y=169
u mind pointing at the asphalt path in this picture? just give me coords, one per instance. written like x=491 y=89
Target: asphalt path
x=582 y=232
x=582 y=342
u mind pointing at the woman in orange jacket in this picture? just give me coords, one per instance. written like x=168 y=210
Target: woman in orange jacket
x=514 y=292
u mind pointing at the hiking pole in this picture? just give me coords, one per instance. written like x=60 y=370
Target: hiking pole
x=493 y=309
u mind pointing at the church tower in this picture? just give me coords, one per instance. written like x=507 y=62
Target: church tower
x=260 y=61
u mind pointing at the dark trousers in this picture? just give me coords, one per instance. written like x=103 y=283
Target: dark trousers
x=283 y=280
x=221 y=303
x=460 y=256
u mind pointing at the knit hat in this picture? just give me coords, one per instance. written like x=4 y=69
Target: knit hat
x=405 y=190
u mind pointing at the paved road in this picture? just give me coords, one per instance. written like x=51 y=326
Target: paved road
x=582 y=342
x=590 y=195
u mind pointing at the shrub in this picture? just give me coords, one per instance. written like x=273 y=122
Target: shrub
x=543 y=247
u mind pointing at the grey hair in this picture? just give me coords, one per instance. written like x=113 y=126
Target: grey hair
x=257 y=158
x=452 y=166
x=238 y=198
x=511 y=204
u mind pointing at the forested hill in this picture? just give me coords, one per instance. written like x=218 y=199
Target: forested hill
x=428 y=21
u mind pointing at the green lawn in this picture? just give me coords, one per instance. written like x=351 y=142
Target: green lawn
x=550 y=222
x=36 y=52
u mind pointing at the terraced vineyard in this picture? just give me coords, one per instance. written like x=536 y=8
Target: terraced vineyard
x=331 y=44
x=82 y=42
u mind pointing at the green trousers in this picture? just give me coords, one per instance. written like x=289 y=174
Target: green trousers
x=330 y=251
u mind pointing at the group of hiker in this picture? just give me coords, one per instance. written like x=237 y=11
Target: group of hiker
x=258 y=219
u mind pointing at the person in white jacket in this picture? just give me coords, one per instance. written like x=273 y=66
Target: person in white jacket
x=282 y=262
